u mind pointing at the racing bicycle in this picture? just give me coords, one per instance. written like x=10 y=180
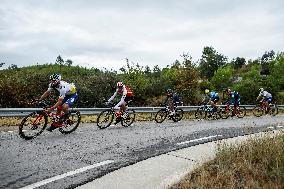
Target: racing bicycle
x=35 y=123
x=206 y=111
x=239 y=111
x=261 y=109
x=163 y=113
x=106 y=117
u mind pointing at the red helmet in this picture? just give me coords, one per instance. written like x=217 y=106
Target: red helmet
x=119 y=84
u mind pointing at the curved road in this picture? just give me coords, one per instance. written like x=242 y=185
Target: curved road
x=90 y=153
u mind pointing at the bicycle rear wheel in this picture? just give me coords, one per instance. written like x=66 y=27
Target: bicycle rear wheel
x=241 y=111
x=105 y=119
x=71 y=123
x=33 y=125
x=178 y=115
x=129 y=119
x=161 y=115
x=257 y=111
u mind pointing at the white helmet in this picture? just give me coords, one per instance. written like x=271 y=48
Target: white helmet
x=119 y=84
x=261 y=89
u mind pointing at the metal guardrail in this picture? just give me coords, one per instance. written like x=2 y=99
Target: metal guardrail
x=21 y=112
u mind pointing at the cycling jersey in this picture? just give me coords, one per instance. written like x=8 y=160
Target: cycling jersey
x=124 y=91
x=234 y=97
x=64 y=89
x=174 y=96
x=265 y=94
x=214 y=96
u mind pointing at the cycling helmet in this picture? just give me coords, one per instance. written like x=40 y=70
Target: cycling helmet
x=206 y=91
x=55 y=77
x=261 y=89
x=119 y=84
x=169 y=91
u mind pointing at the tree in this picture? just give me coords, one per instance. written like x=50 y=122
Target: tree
x=211 y=60
x=222 y=77
x=13 y=67
x=238 y=62
x=1 y=64
x=265 y=60
x=68 y=62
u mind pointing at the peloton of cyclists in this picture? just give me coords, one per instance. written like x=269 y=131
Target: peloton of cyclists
x=127 y=95
x=67 y=97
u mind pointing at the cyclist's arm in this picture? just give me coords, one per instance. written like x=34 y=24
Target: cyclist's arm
x=113 y=96
x=45 y=94
x=166 y=101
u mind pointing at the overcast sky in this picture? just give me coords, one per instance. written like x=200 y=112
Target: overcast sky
x=152 y=32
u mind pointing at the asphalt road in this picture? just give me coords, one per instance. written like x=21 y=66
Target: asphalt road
x=23 y=163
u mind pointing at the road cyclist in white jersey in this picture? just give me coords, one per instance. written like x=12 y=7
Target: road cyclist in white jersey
x=265 y=97
x=67 y=97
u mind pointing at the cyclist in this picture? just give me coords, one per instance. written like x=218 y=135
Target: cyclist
x=266 y=98
x=172 y=100
x=127 y=95
x=233 y=98
x=67 y=96
x=212 y=99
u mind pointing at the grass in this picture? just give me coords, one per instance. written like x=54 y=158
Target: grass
x=257 y=163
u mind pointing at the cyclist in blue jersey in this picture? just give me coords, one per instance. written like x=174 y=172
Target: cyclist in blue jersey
x=213 y=98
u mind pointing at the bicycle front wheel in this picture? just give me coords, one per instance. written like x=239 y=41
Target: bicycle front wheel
x=161 y=115
x=273 y=110
x=33 y=125
x=105 y=119
x=225 y=112
x=199 y=113
x=178 y=115
x=129 y=119
x=71 y=123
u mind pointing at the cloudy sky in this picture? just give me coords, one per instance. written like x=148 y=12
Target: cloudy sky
x=96 y=33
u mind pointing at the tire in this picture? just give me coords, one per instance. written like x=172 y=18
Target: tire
x=33 y=125
x=130 y=118
x=161 y=115
x=241 y=111
x=273 y=110
x=105 y=119
x=225 y=112
x=178 y=115
x=199 y=113
x=257 y=111
x=71 y=123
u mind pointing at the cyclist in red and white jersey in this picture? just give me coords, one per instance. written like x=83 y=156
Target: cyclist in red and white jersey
x=126 y=96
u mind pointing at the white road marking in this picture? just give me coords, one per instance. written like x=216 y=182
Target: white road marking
x=198 y=139
x=46 y=181
x=10 y=131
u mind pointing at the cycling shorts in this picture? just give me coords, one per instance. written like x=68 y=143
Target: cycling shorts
x=70 y=99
